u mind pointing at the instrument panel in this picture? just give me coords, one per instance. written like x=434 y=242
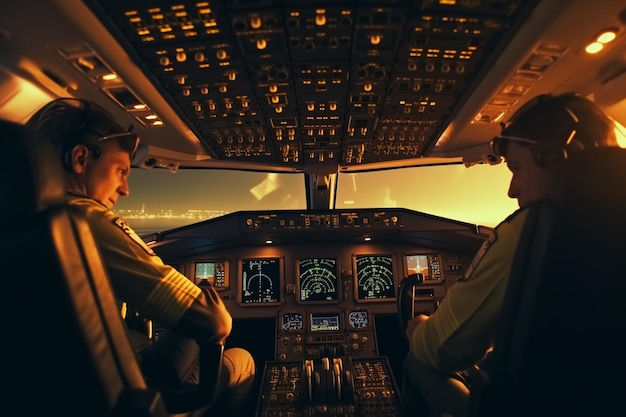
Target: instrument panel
x=323 y=285
x=324 y=298
x=359 y=278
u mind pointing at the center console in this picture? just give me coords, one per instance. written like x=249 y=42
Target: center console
x=314 y=333
x=329 y=386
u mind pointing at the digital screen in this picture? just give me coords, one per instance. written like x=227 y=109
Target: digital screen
x=260 y=281
x=324 y=322
x=211 y=273
x=292 y=322
x=318 y=282
x=358 y=319
x=428 y=265
x=374 y=278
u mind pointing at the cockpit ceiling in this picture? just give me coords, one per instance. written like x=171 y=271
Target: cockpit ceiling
x=314 y=85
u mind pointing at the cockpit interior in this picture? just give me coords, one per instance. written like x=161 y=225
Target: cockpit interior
x=322 y=92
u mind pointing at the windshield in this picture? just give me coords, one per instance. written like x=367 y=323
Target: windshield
x=160 y=200
x=475 y=195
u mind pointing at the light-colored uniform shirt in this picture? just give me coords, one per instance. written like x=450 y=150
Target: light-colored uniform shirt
x=138 y=276
x=461 y=331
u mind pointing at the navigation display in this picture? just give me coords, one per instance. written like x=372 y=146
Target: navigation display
x=324 y=322
x=212 y=273
x=373 y=281
x=261 y=281
x=317 y=281
x=429 y=265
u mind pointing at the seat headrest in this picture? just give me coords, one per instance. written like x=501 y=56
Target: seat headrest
x=595 y=176
x=32 y=176
x=592 y=189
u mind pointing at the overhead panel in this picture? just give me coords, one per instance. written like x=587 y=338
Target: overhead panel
x=310 y=84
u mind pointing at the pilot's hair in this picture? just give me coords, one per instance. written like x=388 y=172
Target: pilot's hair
x=553 y=126
x=68 y=122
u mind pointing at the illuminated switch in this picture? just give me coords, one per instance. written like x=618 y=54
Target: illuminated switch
x=221 y=54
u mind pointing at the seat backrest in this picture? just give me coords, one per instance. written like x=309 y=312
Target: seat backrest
x=67 y=347
x=560 y=349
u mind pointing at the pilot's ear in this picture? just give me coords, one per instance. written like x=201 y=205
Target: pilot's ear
x=76 y=158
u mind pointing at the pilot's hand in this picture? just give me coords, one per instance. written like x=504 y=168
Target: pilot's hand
x=413 y=323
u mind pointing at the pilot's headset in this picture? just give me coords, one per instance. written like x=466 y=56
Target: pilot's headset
x=554 y=126
x=68 y=122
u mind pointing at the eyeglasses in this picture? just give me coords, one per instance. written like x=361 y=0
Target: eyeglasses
x=71 y=116
x=124 y=137
x=498 y=144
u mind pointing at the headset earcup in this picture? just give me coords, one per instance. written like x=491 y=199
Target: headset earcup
x=67 y=160
x=546 y=156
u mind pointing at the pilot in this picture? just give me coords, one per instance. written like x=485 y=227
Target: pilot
x=457 y=338
x=96 y=153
